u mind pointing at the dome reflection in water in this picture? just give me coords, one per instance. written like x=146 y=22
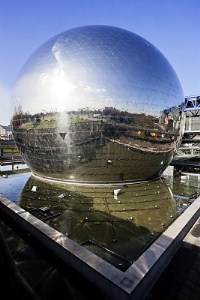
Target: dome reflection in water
x=117 y=228
x=97 y=104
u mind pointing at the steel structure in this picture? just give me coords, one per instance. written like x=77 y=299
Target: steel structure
x=191 y=139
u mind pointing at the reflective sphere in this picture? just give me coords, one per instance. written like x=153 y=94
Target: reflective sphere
x=97 y=104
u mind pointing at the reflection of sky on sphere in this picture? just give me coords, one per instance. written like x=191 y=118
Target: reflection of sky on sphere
x=97 y=67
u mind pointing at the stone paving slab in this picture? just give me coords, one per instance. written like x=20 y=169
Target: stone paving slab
x=181 y=279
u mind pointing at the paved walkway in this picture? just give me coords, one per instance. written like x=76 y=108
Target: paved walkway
x=180 y=280
x=26 y=275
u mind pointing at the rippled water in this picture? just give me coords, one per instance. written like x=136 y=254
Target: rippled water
x=11 y=186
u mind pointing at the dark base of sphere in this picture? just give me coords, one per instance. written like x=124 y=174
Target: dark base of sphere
x=64 y=180
x=123 y=164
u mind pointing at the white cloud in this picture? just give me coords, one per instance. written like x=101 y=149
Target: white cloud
x=95 y=90
x=5 y=94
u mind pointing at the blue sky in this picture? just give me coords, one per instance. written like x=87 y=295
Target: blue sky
x=173 y=26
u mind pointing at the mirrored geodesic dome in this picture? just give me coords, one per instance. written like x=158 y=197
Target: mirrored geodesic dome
x=97 y=104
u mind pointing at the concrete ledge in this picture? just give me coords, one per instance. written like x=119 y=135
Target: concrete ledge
x=136 y=281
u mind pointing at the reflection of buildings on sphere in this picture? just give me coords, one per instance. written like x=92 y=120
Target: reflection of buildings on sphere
x=92 y=105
